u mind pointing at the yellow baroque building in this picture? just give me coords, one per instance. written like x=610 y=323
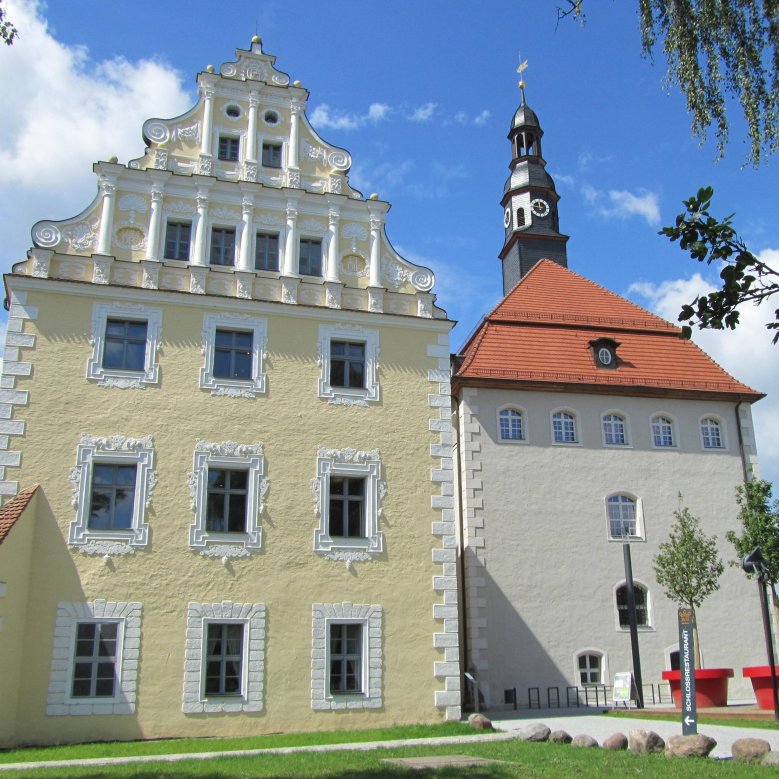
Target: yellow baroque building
x=233 y=396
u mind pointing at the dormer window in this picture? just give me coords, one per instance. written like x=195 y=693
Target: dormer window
x=604 y=351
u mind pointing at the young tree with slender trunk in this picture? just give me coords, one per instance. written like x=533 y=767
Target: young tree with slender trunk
x=688 y=566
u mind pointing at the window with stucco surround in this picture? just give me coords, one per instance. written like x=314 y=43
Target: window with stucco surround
x=713 y=433
x=348 y=495
x=233 y=346
x=615 y=429
x=643 y=606
x=224 y=667
x=624 y=513
x=565 y=427
x=663 y=430
x=590 y=667
x=346 y=656
x=227 y=480
x=111 y=485
x=125 y=339
x=94 y=666
x=512 y=425
x=337 y=378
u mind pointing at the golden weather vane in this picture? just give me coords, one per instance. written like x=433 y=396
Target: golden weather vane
x=522 y=67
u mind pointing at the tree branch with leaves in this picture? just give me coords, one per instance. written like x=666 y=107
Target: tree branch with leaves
x=8 y=32
x=745 y=278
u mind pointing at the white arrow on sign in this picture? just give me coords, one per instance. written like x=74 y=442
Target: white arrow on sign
x=689 y=720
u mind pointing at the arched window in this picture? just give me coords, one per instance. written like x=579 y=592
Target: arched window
x=711 y=433
x=622 y=513
x=512 y=425
x=590 y=667
x=642 y=605
x=520 y=217
x=614 y=430
x=564 y=428
x=663 y=431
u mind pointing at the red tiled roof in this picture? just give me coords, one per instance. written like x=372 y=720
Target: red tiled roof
x=14 y=509
x=541 y=332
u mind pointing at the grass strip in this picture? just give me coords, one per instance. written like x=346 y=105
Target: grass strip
x=731 y=722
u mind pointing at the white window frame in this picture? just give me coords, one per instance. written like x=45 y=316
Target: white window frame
x=223 y=224
x=69 y=615
x=649 y=621
x=625 y=424
x=230 y=456
x=523 y=423
x=674 y=431
x=639 y=506
x=234 y=388
x=110 y=377
x=114 y=450
x=176 y=219
x=355 y=464
x=349 y=396
x=252 y=617
x=577 y=432
x=722 y=433
x=604 y=669
x=370 y=616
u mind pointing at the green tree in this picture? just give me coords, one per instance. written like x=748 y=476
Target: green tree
x=745 y=279
x=7 y=30
x=716 y=49
x=688 y=566
x=759 y=518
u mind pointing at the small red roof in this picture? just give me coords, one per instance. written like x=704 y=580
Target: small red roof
x=542 y=330
x=14 y=509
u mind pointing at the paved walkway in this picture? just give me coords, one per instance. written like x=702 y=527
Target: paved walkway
x=593 y=723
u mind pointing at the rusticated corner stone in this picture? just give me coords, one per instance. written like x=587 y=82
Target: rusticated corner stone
x=616 y=742
x=643 y=742
x=697 y=745
x=750 y=750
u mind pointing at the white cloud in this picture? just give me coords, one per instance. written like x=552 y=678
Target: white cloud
x=423 y=113
x=463 y=118
x=61 y=112
x=481 y=119
x=324 y=117
x=378 y=111
x=621 y=204
x=746 y=353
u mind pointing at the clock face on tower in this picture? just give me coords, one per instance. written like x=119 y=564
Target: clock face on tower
x=539 y=207
x=507 y=217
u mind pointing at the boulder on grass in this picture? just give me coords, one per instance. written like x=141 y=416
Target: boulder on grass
x=535 y=732
x=770 y=758
x=750 y=750
x=584 y=741
x=697 y=745
x=642 y=742
x=561 y=737
x=480 y=722
x=616 y=742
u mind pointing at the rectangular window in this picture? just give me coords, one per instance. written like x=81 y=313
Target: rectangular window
x=266 y=252
x=224 y=658
x=226 y=501
x=345 y=658
x=94 y=660
x=222 y=246
x=590 y=669
x=310 y=257
x=347 y=364
x=125 y=345
x=232 y=354
x=347 y=507
x=177 y=239
x=228 y=148
x=113 y=497
x=271 y=155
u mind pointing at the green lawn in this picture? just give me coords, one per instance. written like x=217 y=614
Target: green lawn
x=732 y=722
x=520 y=760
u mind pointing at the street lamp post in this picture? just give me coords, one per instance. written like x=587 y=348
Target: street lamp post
x=631 y=593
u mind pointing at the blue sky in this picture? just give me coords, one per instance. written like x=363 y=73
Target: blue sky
x=421 y=94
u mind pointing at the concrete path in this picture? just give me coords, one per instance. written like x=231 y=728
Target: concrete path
x=601 y=727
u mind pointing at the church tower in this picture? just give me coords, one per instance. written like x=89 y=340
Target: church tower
x=529 y=202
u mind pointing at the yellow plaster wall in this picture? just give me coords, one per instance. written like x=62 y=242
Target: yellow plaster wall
x=15 y=555
x=287 y=576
